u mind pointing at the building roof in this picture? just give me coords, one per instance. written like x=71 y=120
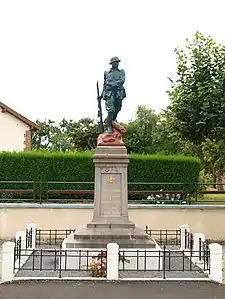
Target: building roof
x=7 y=109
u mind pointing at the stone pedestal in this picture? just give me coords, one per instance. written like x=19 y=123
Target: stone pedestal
x=110 y=199
x=110 y=223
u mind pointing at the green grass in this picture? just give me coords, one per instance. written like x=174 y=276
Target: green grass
x=213 y=199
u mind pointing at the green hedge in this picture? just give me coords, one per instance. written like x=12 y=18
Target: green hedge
x=182 y=170
x=79 y=167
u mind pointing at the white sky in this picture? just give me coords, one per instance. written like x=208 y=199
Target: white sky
x=52 y=52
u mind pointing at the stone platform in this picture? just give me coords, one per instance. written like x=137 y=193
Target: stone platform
x=101 y=235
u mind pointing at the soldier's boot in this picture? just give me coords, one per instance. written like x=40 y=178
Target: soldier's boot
x=109 y=123
x=115 y=116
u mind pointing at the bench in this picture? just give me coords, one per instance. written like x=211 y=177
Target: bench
x=18 y=191
x=130 y=192
x=70 y=192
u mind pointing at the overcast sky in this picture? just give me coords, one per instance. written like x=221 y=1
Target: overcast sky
x=52 y=52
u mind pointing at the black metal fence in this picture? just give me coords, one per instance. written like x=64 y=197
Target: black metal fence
x=52 y=236
x=167 y=262
x=17 y=249
x=165 y=236
x=134 y=263
x=55 y=263
x=204 y=251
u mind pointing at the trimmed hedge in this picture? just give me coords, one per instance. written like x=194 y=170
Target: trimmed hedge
x=178 y=169
x=79 y=167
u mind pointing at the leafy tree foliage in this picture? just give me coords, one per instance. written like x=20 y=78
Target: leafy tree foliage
x=139 y=136
x=198 y=95
x=147 y=133
x=165 y=139
x=43 y=138
x=67 y=136
x=214 y=158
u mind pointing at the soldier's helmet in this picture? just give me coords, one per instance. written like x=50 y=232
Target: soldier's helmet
x=114 y=59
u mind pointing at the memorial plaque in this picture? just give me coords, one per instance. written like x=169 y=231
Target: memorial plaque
x=111 y=194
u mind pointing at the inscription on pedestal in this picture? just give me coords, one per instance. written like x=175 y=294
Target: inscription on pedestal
x=110 y=169
x=111 y=194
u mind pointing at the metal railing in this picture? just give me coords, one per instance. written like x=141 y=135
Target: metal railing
x=14 y=190
x=17 y=249
x=58 y=262
x=151 y=193
x=52 y=236
x=56 y=236
x=168 y=261
x=165 y=236
x=204 y=251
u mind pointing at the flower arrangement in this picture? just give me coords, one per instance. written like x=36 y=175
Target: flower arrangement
x=99 y=264
x=167 y=198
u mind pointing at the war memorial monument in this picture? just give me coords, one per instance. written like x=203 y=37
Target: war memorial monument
x=110 y=240
x=110 y=221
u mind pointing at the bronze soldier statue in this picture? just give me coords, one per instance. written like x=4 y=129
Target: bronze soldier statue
x=113 y=91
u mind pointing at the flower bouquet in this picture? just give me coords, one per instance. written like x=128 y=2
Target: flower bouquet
x=99 y=264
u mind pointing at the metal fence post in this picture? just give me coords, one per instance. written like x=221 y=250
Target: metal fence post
x=199 y=238
x=32 y=229
x=22 y=250
x=164 y=262
x=60 y=262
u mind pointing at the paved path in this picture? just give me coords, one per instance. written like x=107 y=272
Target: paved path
x=103 y=290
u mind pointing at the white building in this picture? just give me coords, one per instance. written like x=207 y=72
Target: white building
x=15 y=130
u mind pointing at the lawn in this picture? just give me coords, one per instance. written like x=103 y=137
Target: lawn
x=213 y=199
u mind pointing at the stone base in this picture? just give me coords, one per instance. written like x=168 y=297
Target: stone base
x=99 y=235
x=110 y=223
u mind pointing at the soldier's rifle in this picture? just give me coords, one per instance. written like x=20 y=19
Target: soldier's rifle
x=100 y=120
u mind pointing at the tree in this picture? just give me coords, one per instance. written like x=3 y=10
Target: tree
x=198 y=95
x=214 y=158
x=139 y=135
x=42 y=139
x=84 y=134
x=67 y=136
x=164 y=139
